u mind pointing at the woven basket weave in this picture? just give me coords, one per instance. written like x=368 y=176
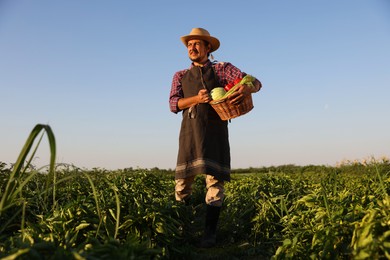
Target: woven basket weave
x=227 y=111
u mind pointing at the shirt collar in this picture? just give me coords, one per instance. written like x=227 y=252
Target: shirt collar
x=208 y=63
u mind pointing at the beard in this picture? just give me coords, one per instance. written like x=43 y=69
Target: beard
x=195 y=57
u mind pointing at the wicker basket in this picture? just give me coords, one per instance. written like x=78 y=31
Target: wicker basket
x=227 y=111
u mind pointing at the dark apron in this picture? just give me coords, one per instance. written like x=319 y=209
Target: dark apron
x=203 y=141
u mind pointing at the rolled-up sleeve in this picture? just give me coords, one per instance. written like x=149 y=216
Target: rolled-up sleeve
x=176 y=92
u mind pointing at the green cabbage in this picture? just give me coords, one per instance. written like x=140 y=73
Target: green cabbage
x=217 y=93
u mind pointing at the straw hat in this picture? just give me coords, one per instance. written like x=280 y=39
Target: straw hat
x=202 y=34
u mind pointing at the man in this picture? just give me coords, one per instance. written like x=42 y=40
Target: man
x=203 y=141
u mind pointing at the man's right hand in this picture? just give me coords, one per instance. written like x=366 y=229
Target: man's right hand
x=203 y=96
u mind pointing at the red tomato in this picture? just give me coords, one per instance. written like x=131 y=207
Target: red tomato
x=236 y=81
x=228 y=86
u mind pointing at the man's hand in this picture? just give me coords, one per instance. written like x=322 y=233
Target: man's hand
x=239 y=95
x=203 y=96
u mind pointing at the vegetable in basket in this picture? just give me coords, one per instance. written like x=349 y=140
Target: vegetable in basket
x=228 y=86
x=217 y=93
x=221 y=93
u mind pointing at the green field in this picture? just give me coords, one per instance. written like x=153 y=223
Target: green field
x=281 y=212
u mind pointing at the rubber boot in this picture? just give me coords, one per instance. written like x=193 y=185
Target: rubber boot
x=210 y=232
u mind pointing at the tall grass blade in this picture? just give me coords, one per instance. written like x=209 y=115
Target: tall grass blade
x=118 y=211
x=10 y=193
x=96 y=202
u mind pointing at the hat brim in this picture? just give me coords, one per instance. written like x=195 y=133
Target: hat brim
x=214 y=42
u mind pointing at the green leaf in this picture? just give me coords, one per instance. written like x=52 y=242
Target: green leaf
x=82 y=226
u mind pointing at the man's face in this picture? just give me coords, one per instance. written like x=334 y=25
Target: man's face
x=197 y=50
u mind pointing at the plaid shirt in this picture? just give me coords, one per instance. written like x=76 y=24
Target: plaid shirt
x=225 y=71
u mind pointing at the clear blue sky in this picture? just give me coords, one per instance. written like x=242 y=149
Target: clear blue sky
x=99 y=73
